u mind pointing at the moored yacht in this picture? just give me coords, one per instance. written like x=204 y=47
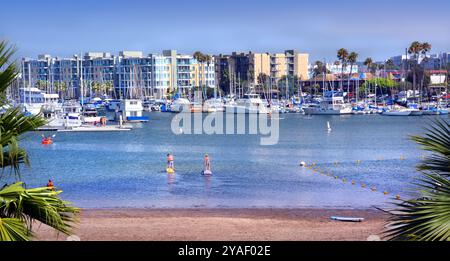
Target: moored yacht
x=331 y=104
x=33 y=100
x=180 y=105
x=251 y=103
x=213 y=105
x=131 y=111
x=397 y=111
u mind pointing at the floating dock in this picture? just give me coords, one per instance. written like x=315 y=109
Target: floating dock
x=88 y=128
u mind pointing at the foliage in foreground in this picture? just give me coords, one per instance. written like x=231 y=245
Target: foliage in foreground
x=21 y=207
x=427 y=218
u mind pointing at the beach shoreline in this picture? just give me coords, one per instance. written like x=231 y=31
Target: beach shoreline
x=221 y=224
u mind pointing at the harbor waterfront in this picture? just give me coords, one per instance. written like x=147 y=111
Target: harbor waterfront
x=127 y=169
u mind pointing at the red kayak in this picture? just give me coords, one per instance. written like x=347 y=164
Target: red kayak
x=47 y=141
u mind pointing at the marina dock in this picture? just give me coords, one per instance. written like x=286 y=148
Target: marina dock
x=89 y=128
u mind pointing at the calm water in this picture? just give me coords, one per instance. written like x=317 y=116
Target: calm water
x=126 y=169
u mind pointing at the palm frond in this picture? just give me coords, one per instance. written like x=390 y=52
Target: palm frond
x=10 y=72
x=42 y=204
x=19 y=207
x=428 y=217
x=437 y=141
x=13 y=229
x=13 y=123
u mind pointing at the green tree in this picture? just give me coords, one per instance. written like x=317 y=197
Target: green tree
x=415 y=49
x=389 y=65
x=109 y=89
x=20 y=207
x=61 y=88
x=342 y=55
x=290 y=83
x=201 y=59
x=425 y=48
x=369 y=63
x=352 y=57
x=384 y=84
x=96 y=87
x=263 y=79
x=427 y=218
x=319 y=68
x=41 y=85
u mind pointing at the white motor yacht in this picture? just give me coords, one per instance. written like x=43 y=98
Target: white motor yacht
x=250 y=104
x=331 y=104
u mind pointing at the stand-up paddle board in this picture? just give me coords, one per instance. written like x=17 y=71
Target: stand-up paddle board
x=170 y=170
x=348 y=219
x=206 y=172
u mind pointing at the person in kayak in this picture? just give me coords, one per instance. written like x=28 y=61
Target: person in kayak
x=50 y=184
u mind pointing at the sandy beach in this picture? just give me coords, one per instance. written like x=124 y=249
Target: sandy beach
x=221 y=224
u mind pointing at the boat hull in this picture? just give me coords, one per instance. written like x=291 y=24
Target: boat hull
x=137 y=119
x=416 y=113
x=396 y=113
x=246 y=110
x=316 y=111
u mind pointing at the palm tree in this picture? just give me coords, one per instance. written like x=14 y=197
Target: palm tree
x=428 y=217
x=96 y=87
x=318 y=68
x=20 y=207
x=61 y=88
x=368 y=62
x=342 y=55
x=109 y=89
x=201 y=58
x=352 y=57
x=415 y=48
x=425 y=48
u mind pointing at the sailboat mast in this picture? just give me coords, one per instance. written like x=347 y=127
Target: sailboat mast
x=81 y=80
x=29 y=83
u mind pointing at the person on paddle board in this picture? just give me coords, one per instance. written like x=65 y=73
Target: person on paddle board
x=170 y=161
x=206 y=163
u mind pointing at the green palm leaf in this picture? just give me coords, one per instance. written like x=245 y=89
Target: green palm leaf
x=42 y=204
x=13 y=123
x=427 y=218
x=20 y=207
x=8 y=75
x=13 y=229
x=437 y=141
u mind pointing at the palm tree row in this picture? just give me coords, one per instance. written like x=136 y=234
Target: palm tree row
x=346 y=58
x=21 y=207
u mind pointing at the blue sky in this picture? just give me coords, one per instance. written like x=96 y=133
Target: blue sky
x=378 y=29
